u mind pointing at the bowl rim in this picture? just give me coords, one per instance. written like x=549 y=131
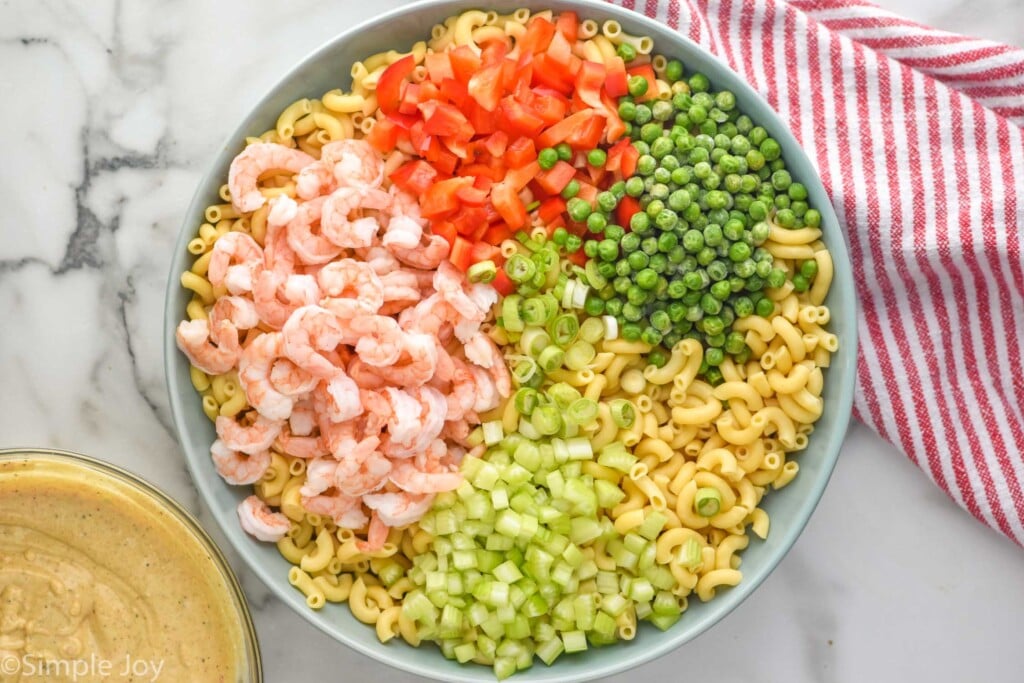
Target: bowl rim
x=841 y=394
x=187 y=520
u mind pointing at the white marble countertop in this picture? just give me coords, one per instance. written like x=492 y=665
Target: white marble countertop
x=111 y=111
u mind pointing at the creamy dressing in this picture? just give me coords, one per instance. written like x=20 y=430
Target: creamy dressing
x=93 y=571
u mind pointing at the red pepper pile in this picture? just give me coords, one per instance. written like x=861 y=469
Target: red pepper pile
x=477 y=122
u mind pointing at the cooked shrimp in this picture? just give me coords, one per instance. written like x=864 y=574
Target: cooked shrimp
x=356 y=163
x=307 y=332
x=487 y=395
x=399 y=509
x=235 y=260
x=291 y=380
x=404 y=423
x=405 y=204
x=376 y=535
x=406 y=476
x=251 y=438
x=277 y=255
x=380 y=341
x=363 y=375
x=426 y=255
x=311 y=247
x=239 y=468
x=254 y=369
x=400 y=285
x=463 y=395
x=315 y=180
x=453 y=287
x=402 y=232
x=362 y=470
x=478 y=350
x=193 y=338
x=258 y=520
x=430 y=420
x=237 y=312
x=305 y=447
x=429 y=316
x=351 y=288
x=319 y=476
x=380 y=260
x=457 y=431
x=378 y=411
x=254 y=161
x=303 y=418
x=416 y=365
x=337 y=223
x=345 y=511
x=338 y=397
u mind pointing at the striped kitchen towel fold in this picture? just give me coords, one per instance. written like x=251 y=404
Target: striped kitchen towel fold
x=917 y=136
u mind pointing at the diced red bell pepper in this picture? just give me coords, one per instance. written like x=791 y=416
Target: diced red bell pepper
x=471 y=195
x=616 y=80
x=410 y=99
x=440 y=118
x=383 y=136
x=519 y=177
x=483 y=121
x=548 y=74
x=414 y=177
x=560 y=52
x=503 y=283
x=441 y=198
x=520 y=119
x=520 y=152
x=647 y=71
x=568 y=126
x=389 y=86
x=465 y=63
x=462 y=254
x=496 y=143
x=445 y=229
x=589 y=81
x=497 y=233
x=508 y=204
x=483 y=251
x=550 y=108
x=468 y=221
x=625 y=210
x=454 y=91
x=439 y=66
x=485 y=87
x=556 y=178
x=539 y=32
x=588 y=134
x=550 y=209
x=568 y=25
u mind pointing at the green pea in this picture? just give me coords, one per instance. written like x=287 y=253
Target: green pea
x=713 y=235
x=573 y=243
x=606 y=201
x=745 y=269
x=564 y=151
x=770 y=149
x=720 y=290
x=755 y=160
x=697 y=113
x=762 y=269
x=812 y=218
x=716 y=199
x=637 y=260
x=643 y=114
x=571 y=190
x=636 y=295
x=637 y=86
x=739 y=251
x=626 y=51
x=809 y=269
x=594 y=306
x=613 y=306
x=781 y=180
x=578 y=209
x=589 y=248
x=666 y=219
x=607 y=270
x=661 y=110
x=706 y=256
x=597 y=158
x=649 y=245
x=661 y=147
x=699 y=83
x=630 y=242
x=612 y=232
x=757 y=210
x=608 y=250
x=785 y=217
x=679 y=200
x=765 y=307
x=659 y=263
x=647 y=278
x=547 y=158
x=635 y=186
x=674 y=70
x=627 y=111
x=713 y=325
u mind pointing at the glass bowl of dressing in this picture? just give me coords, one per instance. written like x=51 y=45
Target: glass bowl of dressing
x=105 y=577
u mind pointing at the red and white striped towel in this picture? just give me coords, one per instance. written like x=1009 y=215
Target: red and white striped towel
x=916 y=134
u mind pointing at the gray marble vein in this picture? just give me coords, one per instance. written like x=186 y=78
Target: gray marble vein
x=110 y=112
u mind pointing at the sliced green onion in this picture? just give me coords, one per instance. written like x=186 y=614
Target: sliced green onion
x=524 y=370
x=526 y=400
x=583 y=411
x=534 y=311
x=708 y=501
x=623 y=413
x=484 y=271
x=551 y=358
x=510 y=313
x=534 y=340
x=546 y=419
x=615 y=456
x=580 y=354
x=611 y=327
x=592 y=330
x=564 y=329
x=520 y=268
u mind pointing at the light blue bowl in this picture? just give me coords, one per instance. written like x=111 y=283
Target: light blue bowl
x=327 y=68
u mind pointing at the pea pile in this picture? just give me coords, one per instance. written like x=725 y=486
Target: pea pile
x=690 y=262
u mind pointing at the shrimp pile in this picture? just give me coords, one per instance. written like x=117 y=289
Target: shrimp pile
x=357 y=344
